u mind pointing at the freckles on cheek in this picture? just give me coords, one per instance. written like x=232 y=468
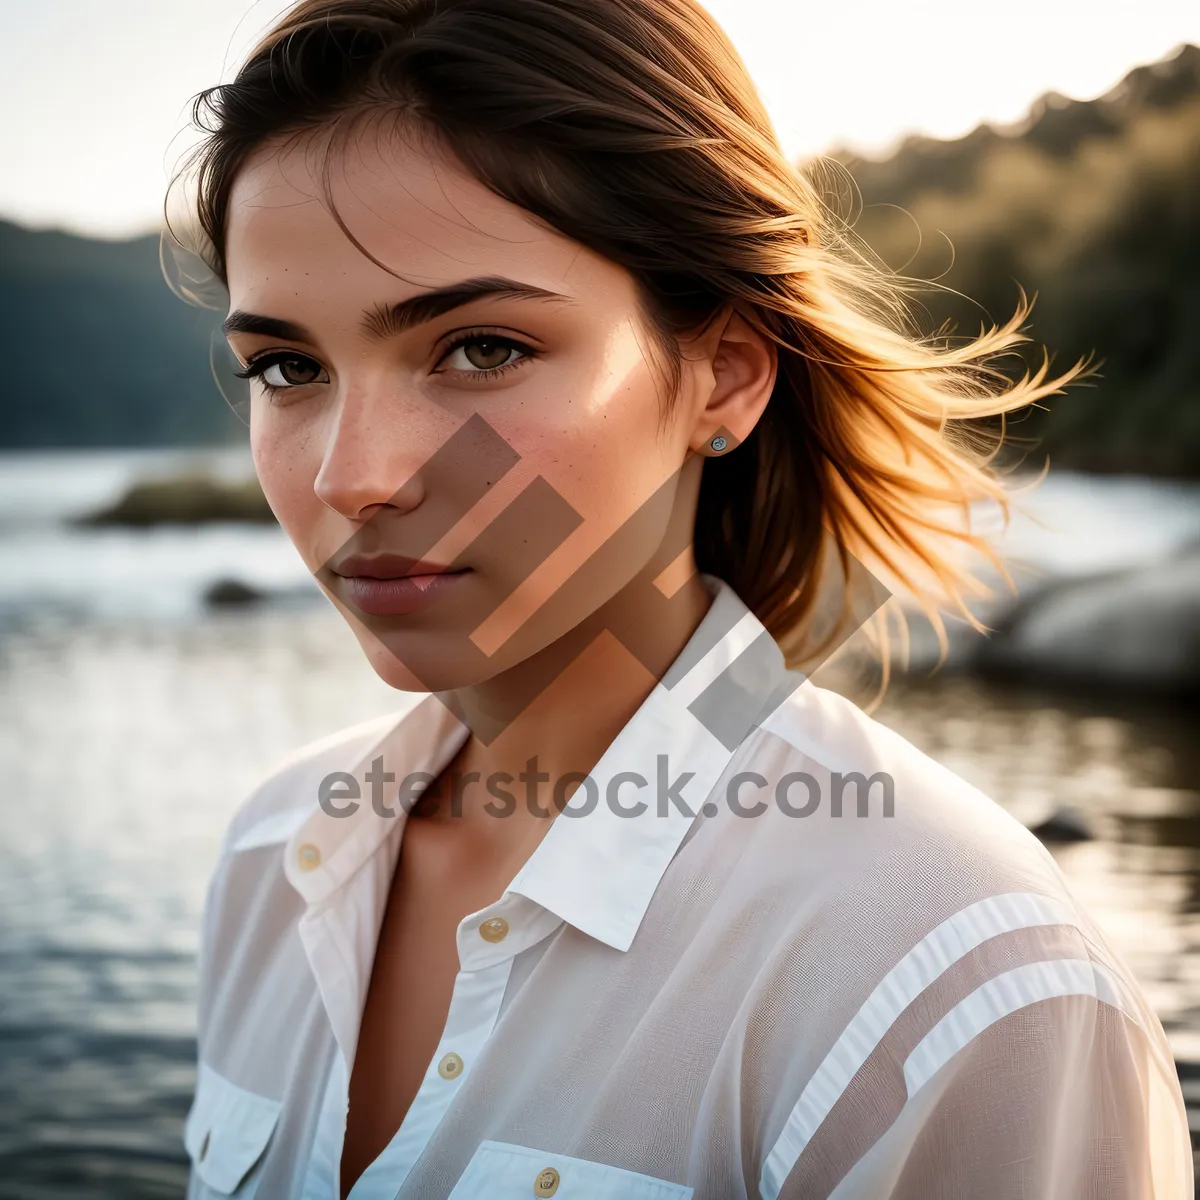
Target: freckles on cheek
x=596 y=436
x=281 y=471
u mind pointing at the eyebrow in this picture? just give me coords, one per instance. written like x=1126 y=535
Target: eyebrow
x=384 y=321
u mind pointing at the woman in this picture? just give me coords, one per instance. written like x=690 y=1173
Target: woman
x=588 y=421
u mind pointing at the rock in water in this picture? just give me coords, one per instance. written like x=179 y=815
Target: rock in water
x=1064 y=825
x=228 y=593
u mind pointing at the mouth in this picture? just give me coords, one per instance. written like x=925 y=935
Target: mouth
x=392 y=585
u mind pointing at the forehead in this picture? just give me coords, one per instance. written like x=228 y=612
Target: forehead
x=410 y=203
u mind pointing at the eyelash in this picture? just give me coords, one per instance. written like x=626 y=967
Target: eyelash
x=261 y=363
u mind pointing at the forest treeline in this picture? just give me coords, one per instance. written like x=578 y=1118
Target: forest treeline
x=1095 y=207
x=1092 y=205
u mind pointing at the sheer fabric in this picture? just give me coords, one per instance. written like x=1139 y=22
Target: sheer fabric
x=899 y=1001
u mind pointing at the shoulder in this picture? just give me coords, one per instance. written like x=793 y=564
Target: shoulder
x=896 y=872
x=884 y=810
x=855 y=850
x=286 y=792
x=909 y=948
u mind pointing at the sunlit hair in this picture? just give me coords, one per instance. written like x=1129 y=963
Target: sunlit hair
x=633 y=127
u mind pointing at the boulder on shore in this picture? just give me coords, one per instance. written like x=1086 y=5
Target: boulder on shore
x=1137 y=629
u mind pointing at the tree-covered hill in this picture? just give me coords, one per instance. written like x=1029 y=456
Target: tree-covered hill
x=97 y=351
x=1095 y=206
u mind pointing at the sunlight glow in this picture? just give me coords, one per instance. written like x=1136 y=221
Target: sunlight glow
x=96 y=103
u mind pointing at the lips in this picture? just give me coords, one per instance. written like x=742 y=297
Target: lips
x=392 y=584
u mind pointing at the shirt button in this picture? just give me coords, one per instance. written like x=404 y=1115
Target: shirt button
x=309 y=856
x=204 y=1146
x=546 y=1183
x=451 y=1066
x=494 y=929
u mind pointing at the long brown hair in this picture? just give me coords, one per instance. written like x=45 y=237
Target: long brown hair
x=633 y=127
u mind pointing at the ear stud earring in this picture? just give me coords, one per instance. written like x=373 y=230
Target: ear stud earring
x=718 y=444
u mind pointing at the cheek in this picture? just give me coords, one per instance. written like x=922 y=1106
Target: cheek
x=615 y=465
x=617 y=453
x=610 y=466
x=286 y=476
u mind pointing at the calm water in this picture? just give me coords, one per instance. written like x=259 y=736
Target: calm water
x=132 y=723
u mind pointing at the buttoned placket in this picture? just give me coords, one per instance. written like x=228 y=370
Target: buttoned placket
x=488 y=941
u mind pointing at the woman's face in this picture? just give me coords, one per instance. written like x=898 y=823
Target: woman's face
x=447 y=467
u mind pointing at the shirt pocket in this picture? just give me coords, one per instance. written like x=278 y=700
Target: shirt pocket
x=226 y=1132
x=503 y=1171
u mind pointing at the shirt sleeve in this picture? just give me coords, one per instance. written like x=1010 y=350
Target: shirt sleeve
x=1048 y=1081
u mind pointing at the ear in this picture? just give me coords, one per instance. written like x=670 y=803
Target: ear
x=732 y=392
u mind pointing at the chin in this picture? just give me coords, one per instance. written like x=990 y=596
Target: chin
x=421 y=668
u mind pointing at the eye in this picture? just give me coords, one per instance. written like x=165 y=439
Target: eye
x=281 y=370
x=485 y=354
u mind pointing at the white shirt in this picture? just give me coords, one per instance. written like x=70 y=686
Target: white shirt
x=901 y=1003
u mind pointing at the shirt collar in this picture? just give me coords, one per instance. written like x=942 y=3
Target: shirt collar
x=600 y=862
x=599 y=871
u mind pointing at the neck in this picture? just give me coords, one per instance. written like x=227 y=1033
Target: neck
x=554 y=715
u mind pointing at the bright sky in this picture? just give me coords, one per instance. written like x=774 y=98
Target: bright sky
x=94 y=92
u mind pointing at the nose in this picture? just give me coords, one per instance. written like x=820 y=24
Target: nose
x=375 y=449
